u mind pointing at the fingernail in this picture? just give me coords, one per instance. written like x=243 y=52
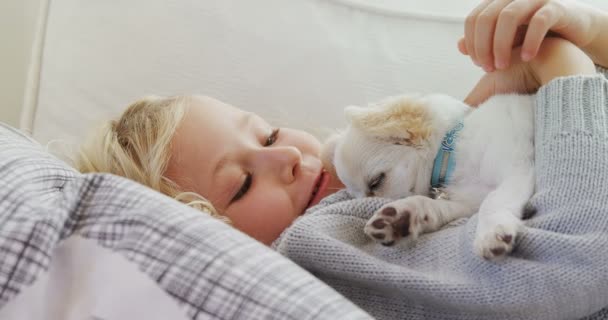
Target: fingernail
x=488 y=68
x=526 y=56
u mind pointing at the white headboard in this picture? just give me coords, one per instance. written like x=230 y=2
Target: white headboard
x=296 y=61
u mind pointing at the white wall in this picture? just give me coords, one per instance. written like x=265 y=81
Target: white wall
x=17 y=26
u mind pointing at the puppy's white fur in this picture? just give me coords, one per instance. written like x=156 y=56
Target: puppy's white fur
x=400 y=137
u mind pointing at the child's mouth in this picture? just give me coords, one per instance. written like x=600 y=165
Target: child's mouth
x=317 y=190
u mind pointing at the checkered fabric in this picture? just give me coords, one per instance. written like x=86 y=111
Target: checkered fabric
x=210 y=269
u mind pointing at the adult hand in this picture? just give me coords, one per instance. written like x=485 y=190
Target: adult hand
x=556 y=58
x=494 y=27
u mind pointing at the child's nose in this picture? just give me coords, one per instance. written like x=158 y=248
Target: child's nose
x=283 y=161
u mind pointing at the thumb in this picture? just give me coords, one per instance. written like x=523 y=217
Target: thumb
x=484 y=89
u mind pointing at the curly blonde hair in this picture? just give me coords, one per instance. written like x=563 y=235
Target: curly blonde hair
x=138 y=146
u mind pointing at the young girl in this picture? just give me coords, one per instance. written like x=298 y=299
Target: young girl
x=236 y=166
x=259 y=177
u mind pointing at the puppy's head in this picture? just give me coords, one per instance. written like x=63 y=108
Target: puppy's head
x=387 y=146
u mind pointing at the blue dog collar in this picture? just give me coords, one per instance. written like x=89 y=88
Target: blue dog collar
x=444 y=161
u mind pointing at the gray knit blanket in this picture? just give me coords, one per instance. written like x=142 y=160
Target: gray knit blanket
x=558 y=269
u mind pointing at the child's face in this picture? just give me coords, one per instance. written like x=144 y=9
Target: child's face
x=260 y=180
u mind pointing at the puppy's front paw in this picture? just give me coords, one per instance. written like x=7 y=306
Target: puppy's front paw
x=495 y=238
x=398 y=219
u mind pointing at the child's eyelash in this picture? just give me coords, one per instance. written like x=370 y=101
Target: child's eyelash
x=272 y=138
x=244 y=188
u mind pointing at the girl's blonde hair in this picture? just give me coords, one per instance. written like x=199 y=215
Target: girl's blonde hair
x=138 y=146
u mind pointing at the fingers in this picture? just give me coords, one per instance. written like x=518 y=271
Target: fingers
x=470 y=27
x=509 y=21
x=540 y=24
x=485 y=26
x=495 y=27
x=518 y=41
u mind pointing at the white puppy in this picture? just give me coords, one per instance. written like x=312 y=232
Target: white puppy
x=409 y=148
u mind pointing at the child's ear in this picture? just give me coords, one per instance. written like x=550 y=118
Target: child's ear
x=328 y=151
x=404 y=121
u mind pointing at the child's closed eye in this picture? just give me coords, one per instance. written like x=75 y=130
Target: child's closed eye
x=270 y=140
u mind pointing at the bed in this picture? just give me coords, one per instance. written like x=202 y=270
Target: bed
x=101 y=247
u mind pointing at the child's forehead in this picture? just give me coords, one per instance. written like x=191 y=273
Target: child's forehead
x=211 y=109
x=207 y=115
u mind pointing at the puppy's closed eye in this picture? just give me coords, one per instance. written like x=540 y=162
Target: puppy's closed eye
x=375 y=183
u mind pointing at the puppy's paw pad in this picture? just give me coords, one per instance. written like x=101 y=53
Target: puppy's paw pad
x=495 y=243
x=388 y=212
x=396 y=220
x=384 y=226
x=379 y=224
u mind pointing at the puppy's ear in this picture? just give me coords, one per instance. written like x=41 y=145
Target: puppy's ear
x=328 y=151
x=404 y=120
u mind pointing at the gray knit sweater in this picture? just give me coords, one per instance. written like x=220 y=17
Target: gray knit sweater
x=558 y=270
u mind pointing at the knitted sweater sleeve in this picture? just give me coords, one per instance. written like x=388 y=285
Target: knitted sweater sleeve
x=571 y=121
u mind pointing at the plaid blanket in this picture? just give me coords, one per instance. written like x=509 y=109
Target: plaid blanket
x=209 y=270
